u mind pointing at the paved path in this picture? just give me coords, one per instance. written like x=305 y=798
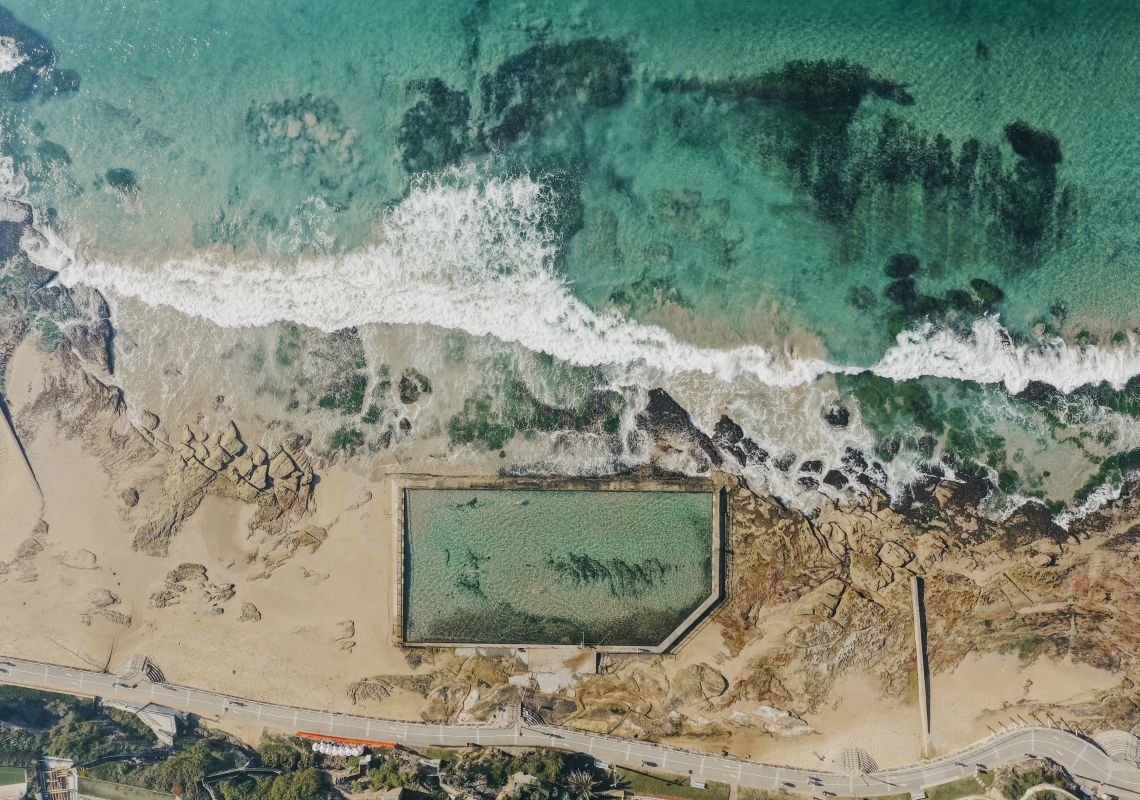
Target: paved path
x=1082 y=758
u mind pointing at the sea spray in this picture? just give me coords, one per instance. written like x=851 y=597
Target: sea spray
x=478 y=256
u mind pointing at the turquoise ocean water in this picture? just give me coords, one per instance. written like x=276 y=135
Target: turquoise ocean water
x=809 y=178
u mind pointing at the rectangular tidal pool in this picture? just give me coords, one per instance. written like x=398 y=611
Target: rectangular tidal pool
x=601 y=568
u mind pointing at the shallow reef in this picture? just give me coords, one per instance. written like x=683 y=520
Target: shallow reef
x=37 y=73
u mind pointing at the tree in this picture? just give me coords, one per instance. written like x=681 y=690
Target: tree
x=580 y=784
x=303 y=785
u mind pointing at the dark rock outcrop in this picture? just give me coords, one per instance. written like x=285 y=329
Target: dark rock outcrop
x=837 y=416
x=671 y=426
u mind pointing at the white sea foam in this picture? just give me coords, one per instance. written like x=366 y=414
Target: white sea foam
x=477 y=255
x=10 y=55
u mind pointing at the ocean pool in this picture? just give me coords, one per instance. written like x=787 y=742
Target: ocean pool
x=555 y=567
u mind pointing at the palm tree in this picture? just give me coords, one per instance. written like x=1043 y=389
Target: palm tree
x=580 y=784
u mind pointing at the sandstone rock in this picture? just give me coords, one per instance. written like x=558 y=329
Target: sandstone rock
x=99 y=598
x=148 y=420
x=116 y=617
x=258 y=454
x=219 y=592
x=868 y=572
x=80 y=559
x=774 y=721
x=259 y=479
x=230 y=440
x=699 y=683
x=249 y=613
x=166 y=597
x=186 y=571
x=894 y=554
x=200 y=451
x=217 y=460
x=282 y=464
x=284 y=496
x=187 y=435
x=242 y=467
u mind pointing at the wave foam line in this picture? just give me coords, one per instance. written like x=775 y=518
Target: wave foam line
x=477 y=256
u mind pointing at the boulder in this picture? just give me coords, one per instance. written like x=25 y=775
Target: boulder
x=726 y=433
x=837 y=416
x=835 y=479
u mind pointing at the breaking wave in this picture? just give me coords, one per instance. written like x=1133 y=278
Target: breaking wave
x=478 y=256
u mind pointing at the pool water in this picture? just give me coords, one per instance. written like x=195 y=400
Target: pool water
x=565 y=567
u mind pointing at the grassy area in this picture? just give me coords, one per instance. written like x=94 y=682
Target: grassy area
x=10 y=775
x=439 y=753
x=961 y=787
x=117 y=791
x=759 y=794
x=664 y=785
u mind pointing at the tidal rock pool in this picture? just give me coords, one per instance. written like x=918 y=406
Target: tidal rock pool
x=556 y=567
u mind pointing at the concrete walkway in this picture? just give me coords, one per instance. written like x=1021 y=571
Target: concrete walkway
x=1084 y=759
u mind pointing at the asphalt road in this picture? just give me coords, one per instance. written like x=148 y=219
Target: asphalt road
x=1082 y=758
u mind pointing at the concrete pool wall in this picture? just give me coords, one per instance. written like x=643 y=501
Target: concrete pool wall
x=404 y=485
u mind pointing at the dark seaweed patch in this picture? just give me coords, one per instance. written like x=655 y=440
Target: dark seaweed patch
x=623 y=578
x=516 y=100
x=806 y=111
x=433 y=132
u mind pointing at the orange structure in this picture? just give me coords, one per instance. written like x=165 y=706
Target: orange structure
x=324 y=737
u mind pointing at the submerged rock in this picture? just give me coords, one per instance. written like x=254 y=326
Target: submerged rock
x=1033 y=143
